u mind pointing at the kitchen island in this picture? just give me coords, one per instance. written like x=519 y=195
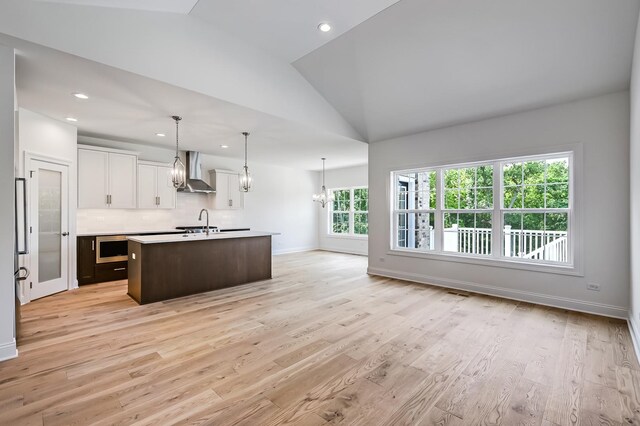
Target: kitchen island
x=163 y=267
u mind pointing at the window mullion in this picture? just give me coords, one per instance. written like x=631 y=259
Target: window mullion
x=496 y=222
x=438 y=222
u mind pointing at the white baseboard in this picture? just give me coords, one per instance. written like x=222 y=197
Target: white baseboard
x=524 y=296
x=334 y=250
x=293 y=250
x=635 y=337
x=8 y=350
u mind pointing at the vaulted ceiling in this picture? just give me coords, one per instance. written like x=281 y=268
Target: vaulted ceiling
x=388 y=68
x=424 y=64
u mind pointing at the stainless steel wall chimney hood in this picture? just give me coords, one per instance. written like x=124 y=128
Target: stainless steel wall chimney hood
x=194 y=182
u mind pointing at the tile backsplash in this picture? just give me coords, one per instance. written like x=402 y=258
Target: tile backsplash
x=186 y=214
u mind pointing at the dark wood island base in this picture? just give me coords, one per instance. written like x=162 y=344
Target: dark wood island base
x=168 y=270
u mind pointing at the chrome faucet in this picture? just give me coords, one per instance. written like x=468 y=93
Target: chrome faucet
x=200 y=218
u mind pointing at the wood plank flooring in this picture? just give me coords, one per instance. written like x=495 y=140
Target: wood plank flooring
x=321 y=343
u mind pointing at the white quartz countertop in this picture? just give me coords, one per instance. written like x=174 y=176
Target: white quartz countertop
x=121 y=232
x=183 y=238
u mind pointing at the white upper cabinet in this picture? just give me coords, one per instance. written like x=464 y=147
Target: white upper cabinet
x=93 y=179
x=227 y=186
x=106 y=179
x=122 y=181
x=166 y=191
x=155 y=188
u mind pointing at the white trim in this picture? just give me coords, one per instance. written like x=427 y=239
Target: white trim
x=504 y=262
x=524 y=296
x=8 y=350
x=336 y=250
x=633 y=331
x=154 y=163
x=104 y=149
x=348 y=237
x=293 y=250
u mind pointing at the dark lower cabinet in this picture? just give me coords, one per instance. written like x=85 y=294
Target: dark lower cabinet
x=90 y=272
x=111 y=271
x=86 y=260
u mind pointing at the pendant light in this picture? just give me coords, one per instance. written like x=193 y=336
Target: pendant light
x=245 y=176
x=178 y=173
x=323 y=197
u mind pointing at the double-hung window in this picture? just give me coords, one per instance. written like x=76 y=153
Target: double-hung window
x=415 y=208
x=536 y=209
x=349 y=212
x=516 y=209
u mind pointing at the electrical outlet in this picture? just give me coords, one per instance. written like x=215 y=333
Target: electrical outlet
x=381 y=259
x=593 y=286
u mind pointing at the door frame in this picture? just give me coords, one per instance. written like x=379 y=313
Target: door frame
x=29 y=157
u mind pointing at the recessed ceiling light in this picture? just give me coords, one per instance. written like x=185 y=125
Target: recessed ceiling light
x=224 y=146
x=162 y=135
x=81 y=96
x=324 y=27
x=72 y=119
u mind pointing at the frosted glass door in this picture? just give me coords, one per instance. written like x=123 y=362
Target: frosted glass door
x=49 y=230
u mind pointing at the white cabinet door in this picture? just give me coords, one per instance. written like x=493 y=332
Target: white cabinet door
x=93 y=179
x=166 y=191
x=222 y=190
x=235 y=196
x=122 y=180
x=147 y=194
x=227 y=186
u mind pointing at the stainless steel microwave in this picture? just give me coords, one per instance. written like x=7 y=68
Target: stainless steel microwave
x=112 y=248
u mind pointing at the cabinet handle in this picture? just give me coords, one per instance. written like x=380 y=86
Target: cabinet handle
x=230 y=203
x=157 y=201
x=93 y=245
x=119 y=269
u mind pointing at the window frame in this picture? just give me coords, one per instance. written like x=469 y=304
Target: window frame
x=497 y=258
x=352 y=212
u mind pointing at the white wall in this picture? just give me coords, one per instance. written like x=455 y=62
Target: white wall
x=7 y=194
x=280 y=201
x=601 y=125
x=41 y=136
x=634 y=158
x=342 y=178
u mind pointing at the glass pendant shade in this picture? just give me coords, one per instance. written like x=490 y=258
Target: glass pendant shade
x=324 y=197
x=179 y=172
x=245 y=179
x=245 y=176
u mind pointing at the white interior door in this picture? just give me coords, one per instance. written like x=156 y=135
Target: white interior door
x=49 y=208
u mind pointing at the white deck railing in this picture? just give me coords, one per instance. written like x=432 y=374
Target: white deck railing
x=526 y=244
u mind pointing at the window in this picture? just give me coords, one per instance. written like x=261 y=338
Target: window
x=349 y=212
x=516 y=209
x=415 y=209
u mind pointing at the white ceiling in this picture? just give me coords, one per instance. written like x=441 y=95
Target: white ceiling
x=424 y=64
x=126 y=106
x=287 y=28
x=175 y=6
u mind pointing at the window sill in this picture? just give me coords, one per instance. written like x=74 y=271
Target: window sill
x=491 y=262
x=348 y=236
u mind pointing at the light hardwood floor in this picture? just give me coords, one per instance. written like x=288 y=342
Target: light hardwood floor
x=321 y=343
